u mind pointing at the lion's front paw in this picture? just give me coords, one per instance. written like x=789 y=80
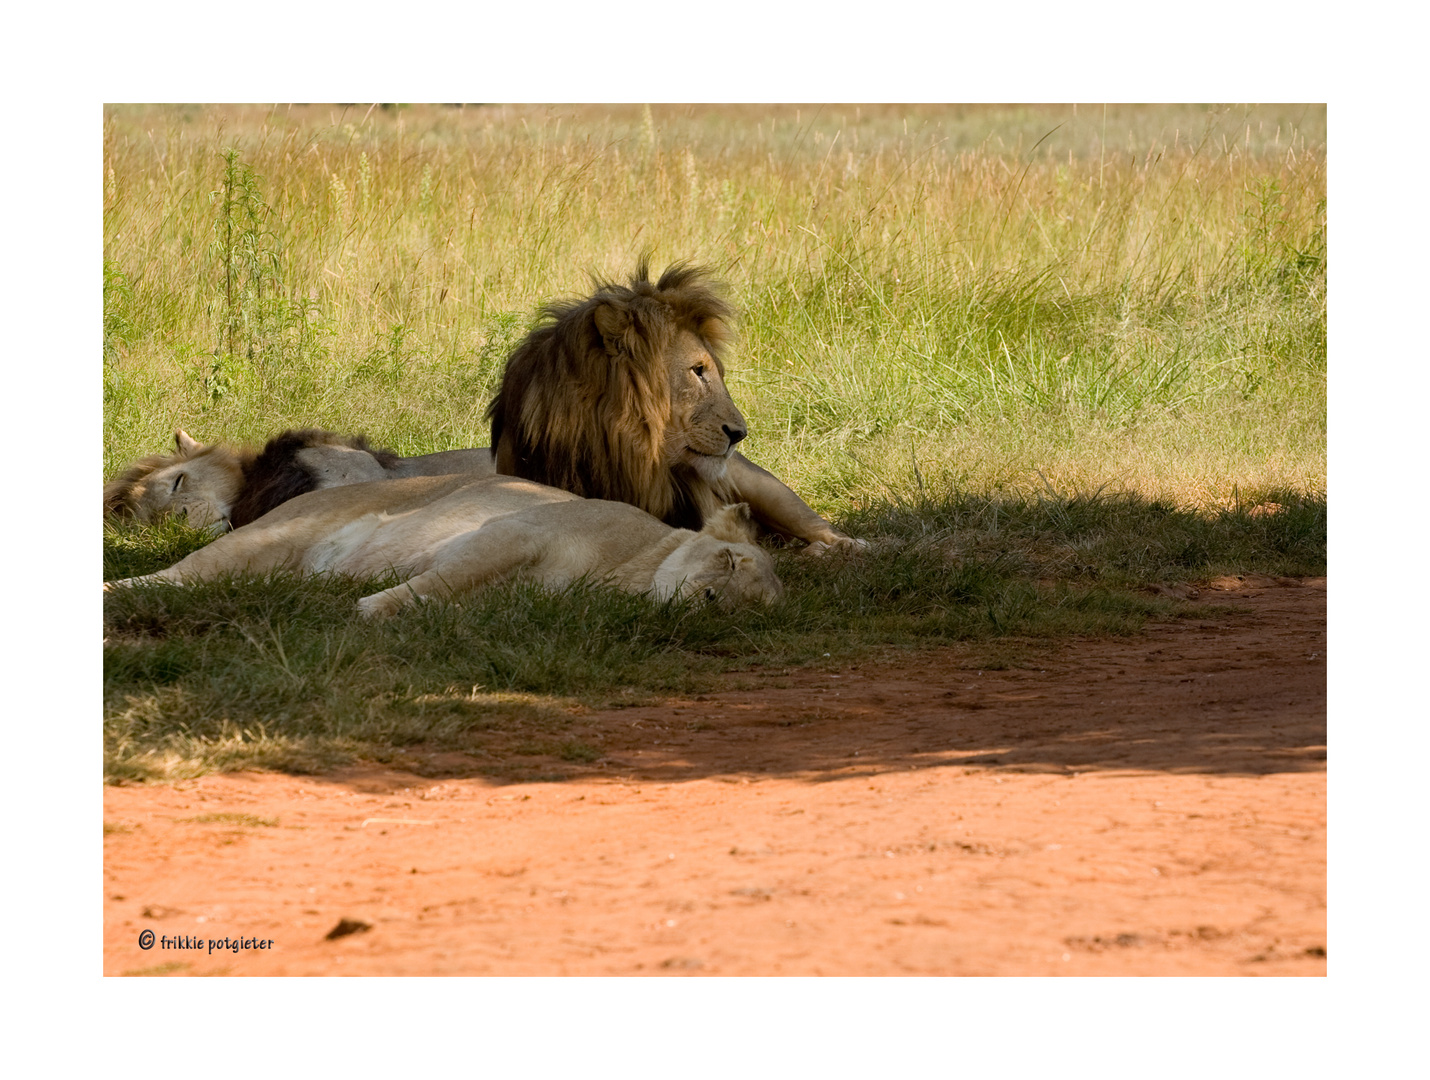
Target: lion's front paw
x=836 y=543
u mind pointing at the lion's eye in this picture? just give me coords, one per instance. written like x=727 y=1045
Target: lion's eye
x=699 y=370
x=177 y=481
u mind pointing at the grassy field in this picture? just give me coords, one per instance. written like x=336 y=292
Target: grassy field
x=1049 y=355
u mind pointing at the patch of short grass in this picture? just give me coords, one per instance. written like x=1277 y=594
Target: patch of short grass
x=131 y=549
x=279 y=672
x=1125 y=540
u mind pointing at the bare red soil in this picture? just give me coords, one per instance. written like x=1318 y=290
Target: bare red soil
x=1146 y=806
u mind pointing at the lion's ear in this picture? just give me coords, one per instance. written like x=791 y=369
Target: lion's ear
x=186 y=443
x=715 y=332
x=612 y=322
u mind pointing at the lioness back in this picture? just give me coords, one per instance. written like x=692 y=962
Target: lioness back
x=414 y=514
x=561 y=542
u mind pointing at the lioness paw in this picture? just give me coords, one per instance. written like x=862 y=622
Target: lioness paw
x=128 y=582
x=378 y=605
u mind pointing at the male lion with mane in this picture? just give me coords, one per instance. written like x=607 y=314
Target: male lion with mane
x=449 y=535
x=621 y=396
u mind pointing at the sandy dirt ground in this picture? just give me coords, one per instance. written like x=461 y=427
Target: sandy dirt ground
x=1147 y=806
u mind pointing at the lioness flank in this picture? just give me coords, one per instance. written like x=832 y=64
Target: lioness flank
x=448 y=535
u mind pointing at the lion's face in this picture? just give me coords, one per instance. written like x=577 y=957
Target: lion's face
x=200 y=490
x=704 y=424
x=621 y=396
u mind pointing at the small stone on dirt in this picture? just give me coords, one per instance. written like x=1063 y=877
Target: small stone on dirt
x=346 y=927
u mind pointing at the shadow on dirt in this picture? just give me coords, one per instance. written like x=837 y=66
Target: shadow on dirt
x=1242 y=693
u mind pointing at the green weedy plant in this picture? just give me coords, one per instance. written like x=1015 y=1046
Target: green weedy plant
x=119 y=331
x=247 y=254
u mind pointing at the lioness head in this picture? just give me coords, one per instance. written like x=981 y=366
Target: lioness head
x=721 y=563
x=198 y=483
x=622 y=396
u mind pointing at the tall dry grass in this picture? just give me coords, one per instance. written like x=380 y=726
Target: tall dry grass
x=987 y=298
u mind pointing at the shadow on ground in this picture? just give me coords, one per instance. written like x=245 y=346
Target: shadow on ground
x=1238 y=690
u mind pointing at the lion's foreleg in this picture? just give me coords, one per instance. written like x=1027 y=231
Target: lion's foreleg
x=253 y=549
x=779 y=509
x=466 y=562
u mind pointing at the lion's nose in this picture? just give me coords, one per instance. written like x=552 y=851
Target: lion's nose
x=734 y=434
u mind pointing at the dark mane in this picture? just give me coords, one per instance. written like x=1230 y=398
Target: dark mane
x=585 y=400
x=273 y=476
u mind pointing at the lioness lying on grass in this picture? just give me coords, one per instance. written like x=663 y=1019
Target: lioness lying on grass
x=449 y=534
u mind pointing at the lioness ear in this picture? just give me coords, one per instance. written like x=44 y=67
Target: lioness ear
x=186 y=443
x=613 y=323
x=734 y=524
